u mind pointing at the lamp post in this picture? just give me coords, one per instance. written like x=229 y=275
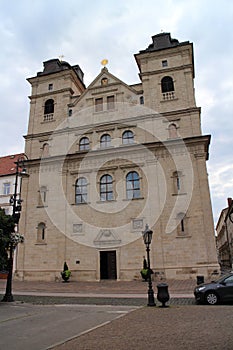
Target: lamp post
x=147 y=237
x=15 y=238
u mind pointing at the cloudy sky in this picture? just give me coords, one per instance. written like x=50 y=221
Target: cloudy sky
x=85 y=32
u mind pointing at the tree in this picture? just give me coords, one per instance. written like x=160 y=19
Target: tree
x=7 y=226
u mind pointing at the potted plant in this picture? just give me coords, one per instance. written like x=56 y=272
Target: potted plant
x=145 y=271
x=65 y=274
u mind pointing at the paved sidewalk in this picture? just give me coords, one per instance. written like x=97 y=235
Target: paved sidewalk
x=104 y=288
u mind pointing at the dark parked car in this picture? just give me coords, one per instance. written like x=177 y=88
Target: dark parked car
x=218 y=291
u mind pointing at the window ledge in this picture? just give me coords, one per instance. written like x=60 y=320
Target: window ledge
x=132 y=199
x=107 y=201
x=179 y=194
x=184 y=236
x=48 y=121
x=169 y=100
x=42 y=206
x=83 y=203
x=38 y=243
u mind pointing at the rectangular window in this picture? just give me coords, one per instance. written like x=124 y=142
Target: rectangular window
x=164 y=63
x=50 y=87
x=6 y=188
x=110 y=102
x=98 y=104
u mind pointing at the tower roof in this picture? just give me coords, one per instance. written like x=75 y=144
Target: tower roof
x=162 y=41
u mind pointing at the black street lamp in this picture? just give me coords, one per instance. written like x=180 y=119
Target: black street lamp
x=16 y=202
x=147 y=237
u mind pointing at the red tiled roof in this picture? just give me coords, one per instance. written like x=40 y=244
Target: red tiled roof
x=7 y=164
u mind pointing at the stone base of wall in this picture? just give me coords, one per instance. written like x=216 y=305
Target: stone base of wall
x=181 y=273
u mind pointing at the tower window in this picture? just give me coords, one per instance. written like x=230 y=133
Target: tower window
x=141 y=100
x=167 y=84
x=50 y=87
x=49 y=106
x=41 y=232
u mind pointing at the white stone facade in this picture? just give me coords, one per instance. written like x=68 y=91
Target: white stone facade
x=108 y=159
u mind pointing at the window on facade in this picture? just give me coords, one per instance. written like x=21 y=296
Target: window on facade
x=164 y=63
x=110 y=102
x=70 y=112
x=81 y=190
x=6 y=188
x=50 y=87
x=141 y=100
x=106 y=188
x=182 y=223
x=167 y=84
x=177 y=175
x=84 y=144
x=49 y=106
x=105 y=141
x=127 y=137
x=42 y=195
x=132 y=185
x=98 y=104
x=172 y=129
x=41 y=232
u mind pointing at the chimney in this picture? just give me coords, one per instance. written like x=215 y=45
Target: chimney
x=229 y=201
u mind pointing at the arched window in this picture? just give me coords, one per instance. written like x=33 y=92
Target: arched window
x=167 y=84
x=127 y=137
x=41 y=232
x=181 y=228
x=172 y=129
x=132 y=185
x=105 y=141
x=49 y=106
x=106 y=188
x=81 y=190
x=84 y=144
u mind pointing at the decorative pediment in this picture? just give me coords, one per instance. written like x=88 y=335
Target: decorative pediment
x=106 y=237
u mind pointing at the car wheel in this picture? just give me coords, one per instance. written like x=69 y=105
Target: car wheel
x=211 y=298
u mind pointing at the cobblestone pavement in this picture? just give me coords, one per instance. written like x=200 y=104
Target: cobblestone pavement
x=173 y=328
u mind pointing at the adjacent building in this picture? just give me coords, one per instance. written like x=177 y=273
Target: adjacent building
x=8 y=170
x=107 y=159
x=224 y=239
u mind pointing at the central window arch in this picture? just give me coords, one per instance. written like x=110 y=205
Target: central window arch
x=127 y=137
x=106 y=188
x=81 y=190
x=133 y=185
x=105 y=141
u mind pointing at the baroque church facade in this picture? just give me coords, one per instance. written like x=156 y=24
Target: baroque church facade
x=107 y=159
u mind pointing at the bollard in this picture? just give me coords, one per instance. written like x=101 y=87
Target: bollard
x=163 y=295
